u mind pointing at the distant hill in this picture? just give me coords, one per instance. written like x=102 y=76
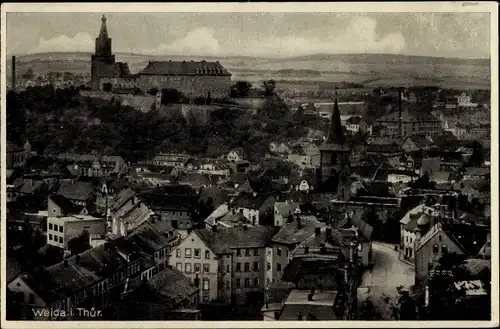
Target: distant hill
x=367 y=69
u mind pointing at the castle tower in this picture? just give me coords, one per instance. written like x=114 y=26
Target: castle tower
x=335 y=161
x=103 y=57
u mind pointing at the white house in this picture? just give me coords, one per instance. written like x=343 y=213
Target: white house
x=235 y=155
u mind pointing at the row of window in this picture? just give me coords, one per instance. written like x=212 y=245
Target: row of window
x=435 y=249
x=56 y=238
x=246 y=267
x=247 y=283
x=188 y=268
x=188 y=254
x=239 y=252
x=55 y=227
x=278 y=267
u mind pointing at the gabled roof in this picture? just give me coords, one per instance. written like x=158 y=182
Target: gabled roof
x=250 y=201
x=184 y=68
x=81 y=191
x=438 y=228
x=336 y=140
x=291 y=234
x=224 y=239
x=67 y=207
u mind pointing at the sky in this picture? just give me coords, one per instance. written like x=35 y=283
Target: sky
x=460 y=35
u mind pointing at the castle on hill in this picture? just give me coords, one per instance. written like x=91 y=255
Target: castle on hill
x=192 y=78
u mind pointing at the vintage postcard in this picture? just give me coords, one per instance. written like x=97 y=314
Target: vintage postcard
x=238 y=165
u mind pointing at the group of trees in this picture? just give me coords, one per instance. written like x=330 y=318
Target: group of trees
x=244 y=88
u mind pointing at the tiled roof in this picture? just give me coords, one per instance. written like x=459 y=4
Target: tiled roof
x=250 y=201
x=225 y=239
x=29 y=186
x=65 y=204
x=122 y=198
x=415 y=211
x=184 y=68
x=410 y=116
x=172 y=285
x=477 y=171
x=291 y=234
x=148 y=238
x=364 y=229
x=80 y=191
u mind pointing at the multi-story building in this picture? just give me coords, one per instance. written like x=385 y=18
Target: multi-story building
x=16 y=156
x=62 y=229
x=228 y=262
x=410 y=124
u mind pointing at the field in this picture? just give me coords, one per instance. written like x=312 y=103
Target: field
x=304 y=73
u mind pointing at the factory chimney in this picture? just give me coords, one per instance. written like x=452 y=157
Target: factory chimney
x=400 y=105
x=13 y=77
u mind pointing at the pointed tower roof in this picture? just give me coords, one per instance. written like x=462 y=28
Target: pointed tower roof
x=336 y=140
x=104 y=30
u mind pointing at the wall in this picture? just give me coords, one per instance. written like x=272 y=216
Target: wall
x=408 y=249
x=179 y=218
x=193 y=242
x=425 y=254
x=281 y=256
x=251 y=275
x=191 y=86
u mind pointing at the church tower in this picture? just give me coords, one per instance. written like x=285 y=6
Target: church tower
x=335 y=170
x=103 y=57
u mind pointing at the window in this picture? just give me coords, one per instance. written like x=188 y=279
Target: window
x=50 y=226
x=435 y=249
x=440 y=238
x=278 y=267
x=197 y=253
x=227 y=268
x=50 y=237
x=197 y=268
x=247 y=252
x=407 y=239
x=238 y=283
x=206 y=284
x=255 y=266
x=178 y=253
x=247 y=283
x=238 y=252
x=60 y=228
x=256 y=252
x=444 y=249
x=60 y=239
x=247 y=267
x=206 y=268
x=287 y=253
x=268 y=266
x=207 y=254
x=187 y=267
x=278 y=251
x=238 y=267
x=256 y=282
x=179 y=266
x=55 y=227
x=269 y=252
x=187 y=252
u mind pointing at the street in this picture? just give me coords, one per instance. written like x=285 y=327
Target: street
x=380 y=284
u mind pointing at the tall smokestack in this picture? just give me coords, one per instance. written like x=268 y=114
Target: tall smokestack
x=14 y=73
x=400 y=105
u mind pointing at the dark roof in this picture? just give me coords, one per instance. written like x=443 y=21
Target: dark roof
x=81 y=191
x=291 y=234
x=249 y=201
x=383 y=148
x=30 y=186
x=66 y=205
x=184 y=68
x=364 y=229
x=169 y=287
x=336 y=140
x=410 y=116
x=224 y=239
x=170 y=202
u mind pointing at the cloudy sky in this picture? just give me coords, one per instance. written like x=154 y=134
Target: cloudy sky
x=463 y=35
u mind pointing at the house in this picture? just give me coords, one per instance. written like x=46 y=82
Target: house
x=282 y=211
x=58 y=205
x=16 y=155
x=169 y=295
x=232 y=258
x=476 y=173
x=360 y=233
x=410 y=123
x=176 y=210
x=255 y=207
x=357 y=124
x=475 y=189
x=430 y=248
x=180 y=161
x=394 y=176
x=279 y=148
x=85 y=279
x=304 y=305
x=291 y=234
x=80 y=193
x=113 y=164
x=61 y=229
x=416 y=143
x=235 y=155
x=128 y=212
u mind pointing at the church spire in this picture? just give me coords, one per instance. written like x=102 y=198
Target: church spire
x=335 y=140
x=104 y=30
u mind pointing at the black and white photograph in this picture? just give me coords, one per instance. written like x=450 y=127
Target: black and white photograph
x=230 y=162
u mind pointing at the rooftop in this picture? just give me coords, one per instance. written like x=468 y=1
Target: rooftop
x=184 y=68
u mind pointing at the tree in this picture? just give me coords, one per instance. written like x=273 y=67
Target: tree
x=170 y=96
x=423 y=182
x=79 y=244
x=240 y=89
x=16 y=118
x=269 y=86
x=153 y=91
x=107 y=87
x=369 y=311
x=28 y=75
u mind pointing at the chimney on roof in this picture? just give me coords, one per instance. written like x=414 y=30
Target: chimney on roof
x=317 y=231
x=310 y=297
